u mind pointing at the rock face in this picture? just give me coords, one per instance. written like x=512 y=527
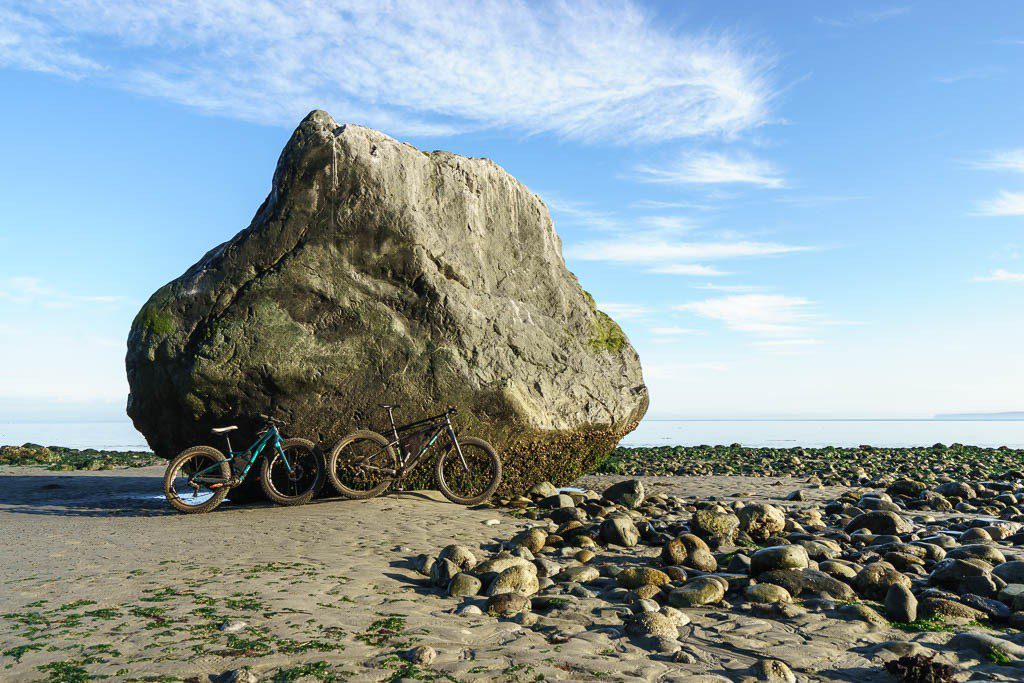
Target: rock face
x=377 y=273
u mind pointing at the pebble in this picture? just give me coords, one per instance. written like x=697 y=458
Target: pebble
x=424 y=655
x=233 y=626
x=239 y=676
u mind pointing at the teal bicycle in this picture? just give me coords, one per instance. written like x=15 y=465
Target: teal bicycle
x=200 y=478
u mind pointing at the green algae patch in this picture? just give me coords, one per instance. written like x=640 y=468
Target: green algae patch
x=606 y=335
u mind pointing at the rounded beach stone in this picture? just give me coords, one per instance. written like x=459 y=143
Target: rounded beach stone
x=874 y=580
x=507 y=604
x=520 y=579
x=635 y=577
x=900 y=604
x=977 y=551
x=619 y=530
x=443 y=571
x=808 y=581
x=947 y=609
x=880 y=522
x=559 y=500
x=462 y=556
x=839 y=570
x=532 y=539
x=772 y=670
x=700 y=591
x=951 y=572
x=629 y=493
x=761 y=520
x=778 y=557
x=677 y=574
x=652 y=624
x=581 y=574
x=499 y=563
x=767 y=593
x=1010 y=572
x=678 y=616
x=647 y=591
x=673 y=552
x=463 y=585
x=701 y=560
x=709 y=524
x=543 y=489
x=975 y=535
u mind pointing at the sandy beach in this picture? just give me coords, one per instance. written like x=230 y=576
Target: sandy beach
x=99 y=575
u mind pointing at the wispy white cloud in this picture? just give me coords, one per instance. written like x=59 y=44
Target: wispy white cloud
x=667 y=371
x=727 y=288
x=763 y=315
x=805 y=201
x=1005 y=160
x=603 y=70
x=31 y=290
x=787 y=343
x=673 y=331
x=623 y=311
x=1001 y=275
x=668 y=224
x=566 y=211
x=973 y=74
x=29 y=43
x=660 y=251
x=659 y=205
x=1005 y=204
x=569 y=212
x=863 y=18
x=712 y=168
x=694 y=269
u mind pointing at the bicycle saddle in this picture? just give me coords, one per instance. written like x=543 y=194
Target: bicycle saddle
x=224 y=430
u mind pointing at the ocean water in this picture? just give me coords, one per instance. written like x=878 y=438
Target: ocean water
x=816 y=433
x=121 y=435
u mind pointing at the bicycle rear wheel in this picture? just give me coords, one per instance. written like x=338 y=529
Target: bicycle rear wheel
x=474 y=477
x=362 y=465
x=298 y=485
x=197 y=480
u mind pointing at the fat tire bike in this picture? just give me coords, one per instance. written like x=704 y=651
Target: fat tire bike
x=365 y=464
x=200 y=477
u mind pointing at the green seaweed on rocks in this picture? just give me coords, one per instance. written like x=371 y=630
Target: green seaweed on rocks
x=60 y=459
x=832 y=464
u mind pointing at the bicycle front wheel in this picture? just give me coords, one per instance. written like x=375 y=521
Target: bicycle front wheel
x=298 y=480
x=472 y=478
x=197 y=480
x=362 y=465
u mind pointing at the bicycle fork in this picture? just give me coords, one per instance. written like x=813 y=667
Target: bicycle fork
x=284 y=458
x=455 y=440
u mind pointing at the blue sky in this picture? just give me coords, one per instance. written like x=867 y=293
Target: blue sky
x=792 y=208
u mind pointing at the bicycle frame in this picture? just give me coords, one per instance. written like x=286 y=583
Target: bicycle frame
x=408 y=462
x=270 y=436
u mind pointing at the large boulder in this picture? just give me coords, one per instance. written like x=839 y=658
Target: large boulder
x=377 y=273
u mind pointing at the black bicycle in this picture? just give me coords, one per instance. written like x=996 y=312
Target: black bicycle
x=199 y=478
x=365 y=464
